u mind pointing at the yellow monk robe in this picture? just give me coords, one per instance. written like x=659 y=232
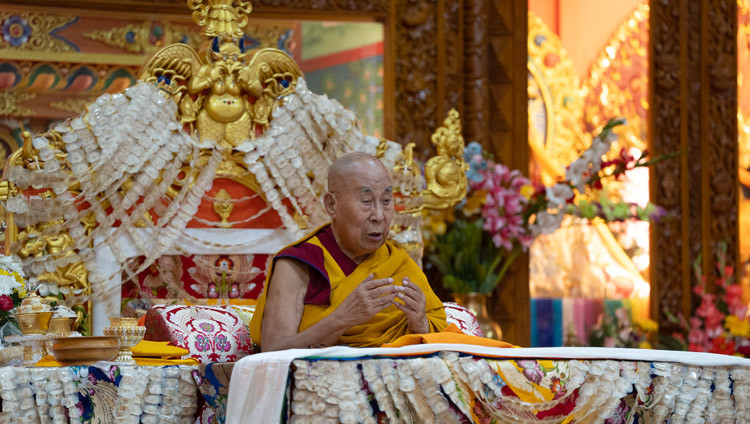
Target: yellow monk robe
x=333 y=276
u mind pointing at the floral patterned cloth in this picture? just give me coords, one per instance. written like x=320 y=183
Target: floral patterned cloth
x=210 y=333
x=90 y=394
x=213 y=383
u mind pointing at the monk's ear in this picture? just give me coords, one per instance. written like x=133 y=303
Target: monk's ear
x=329 y=202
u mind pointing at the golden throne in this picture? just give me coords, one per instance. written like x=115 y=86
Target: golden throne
x=218 y=154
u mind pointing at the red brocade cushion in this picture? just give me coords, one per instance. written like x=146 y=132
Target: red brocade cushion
x=210 y=333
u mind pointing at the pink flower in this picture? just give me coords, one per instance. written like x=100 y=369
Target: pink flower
x=623 y=316
x=531 y=370
x=624 y=334
x=696 y=322
x=6 y=303
x=715 y=320
x=697 y=336
x=707 y=308
x=714 y=331
x=733 y=293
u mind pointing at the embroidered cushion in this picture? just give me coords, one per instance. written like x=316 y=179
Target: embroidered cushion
x=210 y=333
x=245 y=312
x=463 y=318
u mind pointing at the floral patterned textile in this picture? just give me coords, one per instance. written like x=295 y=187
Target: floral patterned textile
x=463 y=318
x=245 y=313
x=210 y=333
x=89 y=394
x=199 y=277
x=213 y=383
x=449 y=388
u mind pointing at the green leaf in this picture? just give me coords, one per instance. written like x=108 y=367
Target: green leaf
x=468 y=259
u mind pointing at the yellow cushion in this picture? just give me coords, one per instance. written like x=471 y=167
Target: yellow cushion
x=157 y=350
x=49 y=361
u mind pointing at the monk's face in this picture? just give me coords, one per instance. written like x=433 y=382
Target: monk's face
x=361 y=208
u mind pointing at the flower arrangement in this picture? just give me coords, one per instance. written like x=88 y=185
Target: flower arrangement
x=12 y=288
x=476 y=243
x=617 y=331
x=721 y=323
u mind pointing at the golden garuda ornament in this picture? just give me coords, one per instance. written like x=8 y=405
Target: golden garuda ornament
x=223 y=92
x=445 y=173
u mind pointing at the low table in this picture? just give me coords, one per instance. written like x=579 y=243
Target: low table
x=102 y=393
x=465 y=383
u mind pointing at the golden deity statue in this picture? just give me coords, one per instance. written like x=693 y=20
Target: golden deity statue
x=225 y=95
x=57 y=246
x=445 y=173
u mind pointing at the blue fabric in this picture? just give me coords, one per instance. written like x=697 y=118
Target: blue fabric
x=546 y=327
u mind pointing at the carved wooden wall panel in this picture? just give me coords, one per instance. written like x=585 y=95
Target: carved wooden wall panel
x=416 y=72
x=507 y=128
x=693 y=109
x=476 y=113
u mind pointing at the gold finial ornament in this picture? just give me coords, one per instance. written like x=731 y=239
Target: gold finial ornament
x=225 y=94
x=406 y=171
x=445 y=173
x=221 y=17
x=223 y=207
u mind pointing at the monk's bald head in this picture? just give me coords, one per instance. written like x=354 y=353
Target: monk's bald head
x=360 y=203
x=348 y=166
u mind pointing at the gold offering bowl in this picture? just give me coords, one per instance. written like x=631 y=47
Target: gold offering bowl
x=61 y=325
x=84 y=350
x=128 y=333
x=33 y=322
x=123 y=322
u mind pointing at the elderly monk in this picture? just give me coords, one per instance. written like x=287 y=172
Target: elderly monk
x=344 y=283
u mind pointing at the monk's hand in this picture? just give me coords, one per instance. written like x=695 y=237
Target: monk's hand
x=413 y=306
x=370 y=297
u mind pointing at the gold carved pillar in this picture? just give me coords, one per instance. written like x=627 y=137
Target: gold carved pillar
x=693 y=97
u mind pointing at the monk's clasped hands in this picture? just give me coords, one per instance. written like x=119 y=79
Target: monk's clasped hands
x=412 y=304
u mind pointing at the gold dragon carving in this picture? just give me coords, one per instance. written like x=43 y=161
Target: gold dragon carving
x=223 y=93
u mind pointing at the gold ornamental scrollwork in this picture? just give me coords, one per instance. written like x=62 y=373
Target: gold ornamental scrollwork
x=445 y=173
x=134 y=38
x=34 y=31
x=10 y=103
x=71 y=105
x=221 y=17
